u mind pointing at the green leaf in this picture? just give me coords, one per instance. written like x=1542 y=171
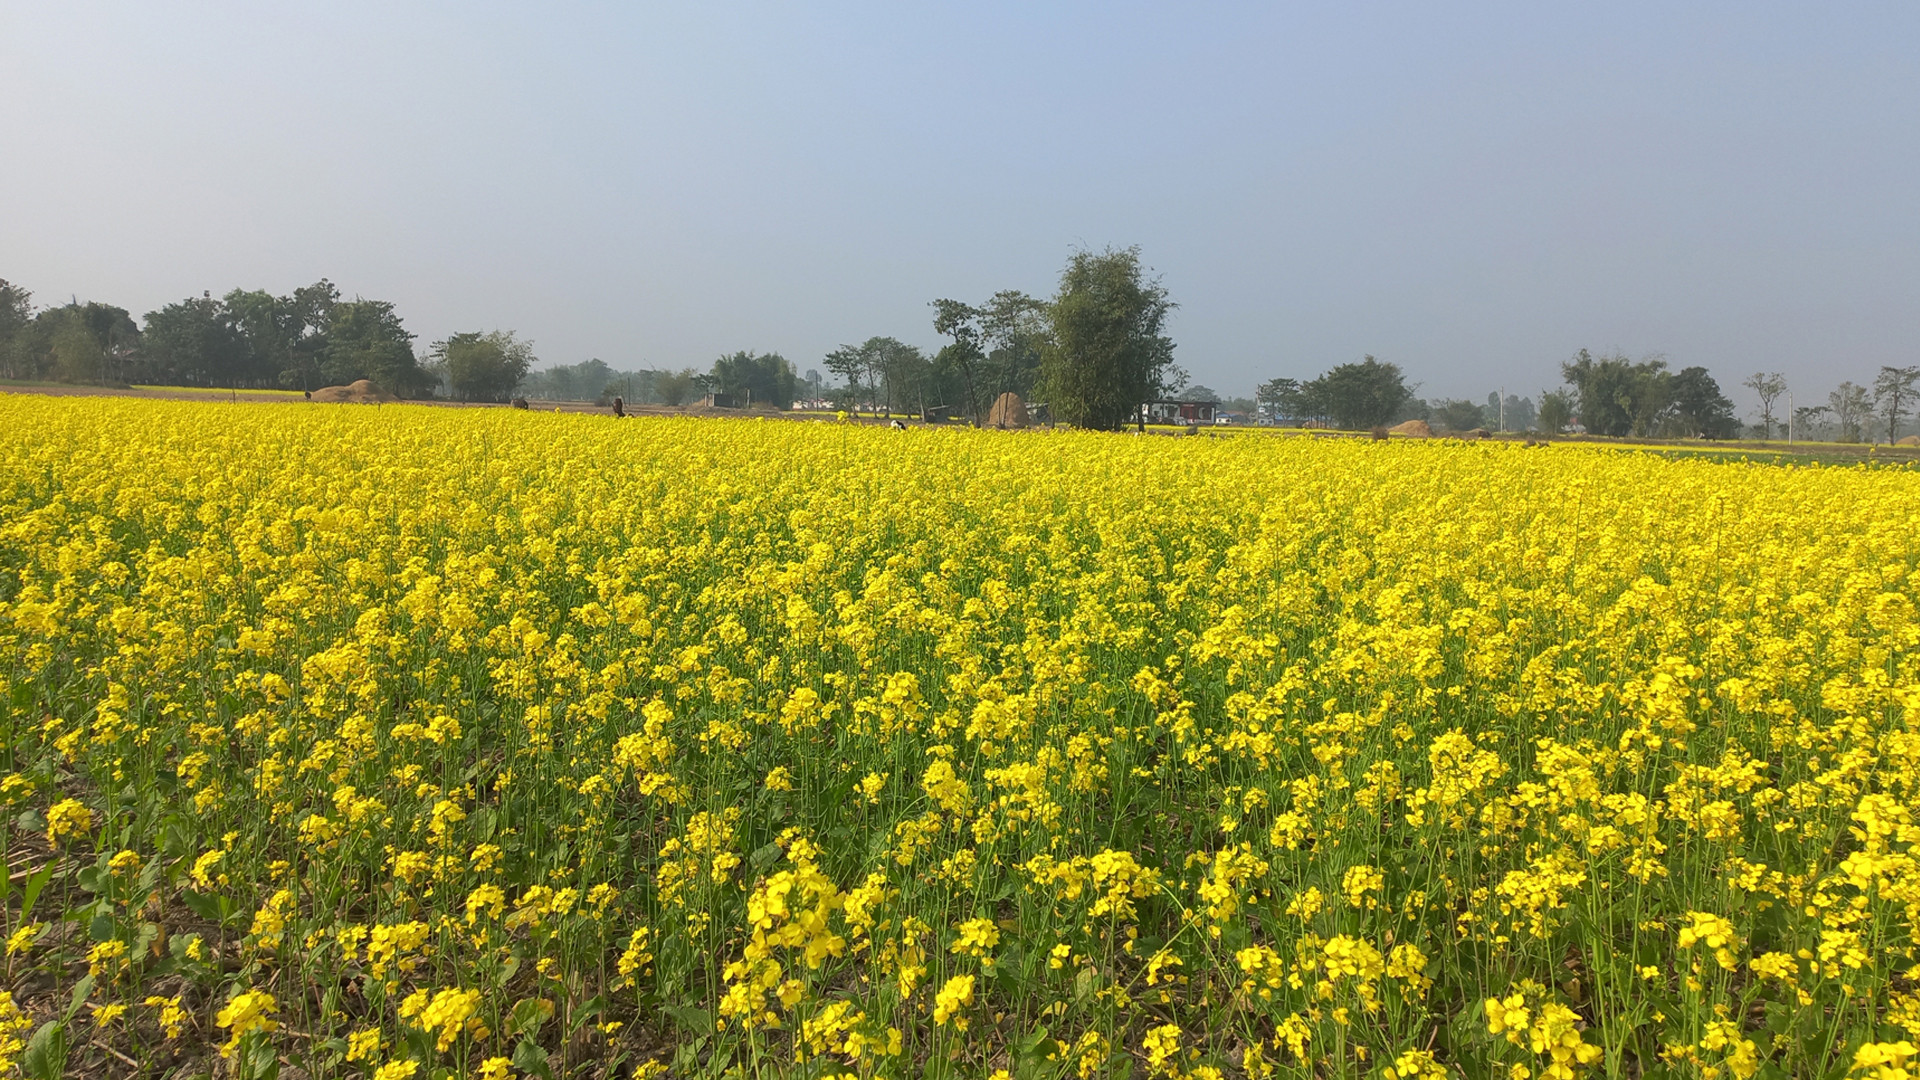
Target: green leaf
x=82 y=990
x=31 y=891
x=764 y=857
x=529 y=1058
x=579 y=1017
x=529 y=1015
x=46 y=1055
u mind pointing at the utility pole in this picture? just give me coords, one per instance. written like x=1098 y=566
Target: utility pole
x=1503 y=408
x=1789 y=418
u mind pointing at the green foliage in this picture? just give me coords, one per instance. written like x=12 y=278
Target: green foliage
x=197 y=343
x=1359 y=395
x=677 y=387
x=1619 y=397
x=1616 y=395
x=1767 y=387
x=1556 y=411
x=1457 y=414
x=1893 y=394
x=16 y=322
x=890 y=371
x=484 y=366
x=1850 y=407
x=366 y=340
x=1108 y=352
x=1698 y=408
x=753 y=378
x=998 y=348
x=285 y=334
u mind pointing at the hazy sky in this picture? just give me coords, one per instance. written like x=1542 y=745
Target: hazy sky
x=1471 y=191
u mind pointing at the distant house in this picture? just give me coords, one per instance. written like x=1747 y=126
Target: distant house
x=1178 y=412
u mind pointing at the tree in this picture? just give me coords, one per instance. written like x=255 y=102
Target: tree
x=997 y=347
x=1810 y=421
x=1360 y=395
x=1556 y=411
x=676 y=387
x=1699 y=409
x=77 y=354
x=195 y=342
x=965 y=357
x=756 y=379
x=1768 y=387
x=1280 y=399
x=1013 y=335
x=366 y=340
x=1849 y=404
x=1459 y=415
x=1107 y=352
x=88 y=342
x=286 y=335
x=1893 y=393
x=1197 y=392
x=850 y=363
x=16 y=321
x=1617 y=396
x=484 y=366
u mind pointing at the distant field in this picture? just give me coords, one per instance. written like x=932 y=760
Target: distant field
x=219 y=391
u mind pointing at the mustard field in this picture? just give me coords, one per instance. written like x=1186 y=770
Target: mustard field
x=403 y=742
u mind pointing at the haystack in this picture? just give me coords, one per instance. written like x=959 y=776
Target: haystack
x=1477 y=433
x=1910 y=440
x=358 y=392
x=1008 y=412
x=1412 y=429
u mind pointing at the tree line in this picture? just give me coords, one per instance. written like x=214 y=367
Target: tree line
x=1093 y=352
x=1604 y=395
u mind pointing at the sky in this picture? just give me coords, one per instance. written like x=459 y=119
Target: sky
x=1471 y=191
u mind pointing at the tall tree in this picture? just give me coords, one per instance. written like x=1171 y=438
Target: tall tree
x=195 y=342
x=1108 y=352
x=676 y=387
x=1617 y=396
x=1768 y=387
x=366 y=340
x=965 y=356
x=483 y=366
x=1280 y=399
x=1460 y=414
x=1556 y=411
x=16 y=321
x=760 y=379
x=850 y=363
x=1360 y=395
x=997 y=347
x=1810 y=421
x=1699 y=409
x=1850 y=405
x=1893 y=394
x=90 y=342
x=286 y=335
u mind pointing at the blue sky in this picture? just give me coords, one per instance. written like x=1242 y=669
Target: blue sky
x=1471 y=191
